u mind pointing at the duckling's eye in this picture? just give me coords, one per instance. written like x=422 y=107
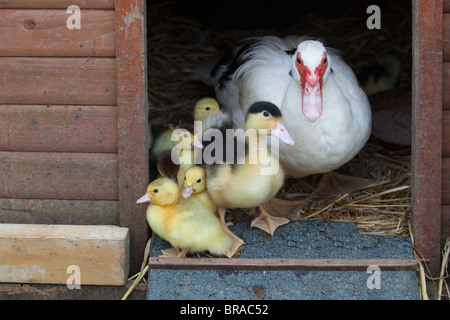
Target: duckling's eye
x=182 y=122
x=199 y=180
x=266 y=114
x=155 y=190
x=185 y=135
x=207 y=108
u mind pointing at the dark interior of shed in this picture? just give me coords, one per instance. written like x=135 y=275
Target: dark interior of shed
x=182 y=35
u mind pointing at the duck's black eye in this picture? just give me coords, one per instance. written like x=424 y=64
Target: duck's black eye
x=266 y=114
x=182 y=122
x=299 y=61
x=199 y=180
x=155 y=190
x=207 y=108
x=325 y=61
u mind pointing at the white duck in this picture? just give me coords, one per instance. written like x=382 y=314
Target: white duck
x=324 y=109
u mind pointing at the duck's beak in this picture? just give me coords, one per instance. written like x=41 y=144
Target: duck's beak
x=188 y=191
x=312 y=106
x=281 y=133
x=144 y=198
x=197 y=144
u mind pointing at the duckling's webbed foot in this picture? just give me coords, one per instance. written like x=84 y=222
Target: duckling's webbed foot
x=291 y=209
x=237 y=242
x=267 y=222
x=174 y=253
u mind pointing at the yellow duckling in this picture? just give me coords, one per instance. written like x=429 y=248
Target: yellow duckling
x=195 y=187
x=184 y=148
x=161 y=134
x=252 y=179
x=204 y=107
x=187 y=224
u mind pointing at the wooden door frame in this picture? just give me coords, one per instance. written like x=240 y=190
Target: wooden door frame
x=426 y=160
x=132 y=122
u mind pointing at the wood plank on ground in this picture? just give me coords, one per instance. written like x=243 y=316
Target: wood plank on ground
x=64 y=254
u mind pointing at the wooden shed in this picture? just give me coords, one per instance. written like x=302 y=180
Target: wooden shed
x=74 y=130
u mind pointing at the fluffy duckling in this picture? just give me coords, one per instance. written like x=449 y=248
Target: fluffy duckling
x=184 y=146
x=204 y=107
x=186 y=224
x=256 y=176
x=167 y=166
x=195 y=187
x=161 y=134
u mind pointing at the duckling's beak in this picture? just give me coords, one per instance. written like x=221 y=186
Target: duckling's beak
x=188 y=191
x=281 y=133
x=144 y=198
x=197 y=144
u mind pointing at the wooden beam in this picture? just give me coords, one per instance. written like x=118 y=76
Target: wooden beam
x=43 y=33
x=283 y=264
x=427 y=91
x=33 y=253
x=132 y=115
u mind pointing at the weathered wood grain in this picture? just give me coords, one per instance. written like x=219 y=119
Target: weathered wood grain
x=51 y=4
x=79 y=176
x=445 y=226
x=282 y=264
x=132 y=114
x=446 y=181
x=58 y=128
x=50 y=211
x=446 y=85
x=43 y=254
x=427 y=92
x=44 y=33
x=446 y=35
x=446 y=133
x=58 y=81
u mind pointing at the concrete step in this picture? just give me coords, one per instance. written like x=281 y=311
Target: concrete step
x=312 y=239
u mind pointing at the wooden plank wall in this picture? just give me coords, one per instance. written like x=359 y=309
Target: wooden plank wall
x=58 y=113
x=445 y=218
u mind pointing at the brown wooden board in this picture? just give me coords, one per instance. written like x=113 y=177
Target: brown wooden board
x=50 y=4
x=446 y=85
x=38 y=175
x=58 y=128
x=45 y=33
x=446 y=22
x=445 y=227
x=132 y=118
x=427 y=90
x=51 y=211
x=90 y=81
x=283 y=264
x=446 y=181
x=446 y=133
x=446 y=6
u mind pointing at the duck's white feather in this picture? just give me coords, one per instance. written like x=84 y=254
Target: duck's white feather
x=262 y=72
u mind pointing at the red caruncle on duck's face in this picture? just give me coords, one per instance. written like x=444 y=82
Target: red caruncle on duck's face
x=305 y=72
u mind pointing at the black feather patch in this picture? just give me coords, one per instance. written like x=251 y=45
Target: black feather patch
x=261 y=106
x=230 y=63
